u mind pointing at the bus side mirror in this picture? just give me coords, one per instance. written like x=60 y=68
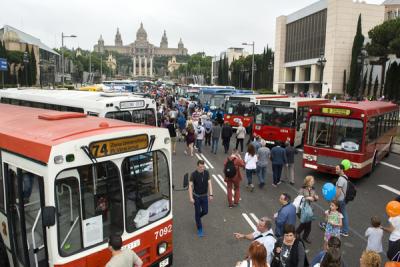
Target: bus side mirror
x=48 y=216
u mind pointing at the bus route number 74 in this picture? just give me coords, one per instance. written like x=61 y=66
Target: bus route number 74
x=163 y=231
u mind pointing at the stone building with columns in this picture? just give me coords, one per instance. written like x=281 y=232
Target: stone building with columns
x=141 y=51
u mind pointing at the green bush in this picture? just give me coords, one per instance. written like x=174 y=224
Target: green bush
x=266 y=91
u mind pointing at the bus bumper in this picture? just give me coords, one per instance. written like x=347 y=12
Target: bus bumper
x=164 y=262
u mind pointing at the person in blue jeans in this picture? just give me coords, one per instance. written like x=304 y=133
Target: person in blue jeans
x=200 y=191
x=278 y=159
x=341 y=188
x=215 y=135
x=263 y=154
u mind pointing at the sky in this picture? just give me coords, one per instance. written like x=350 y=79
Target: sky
x=209 y=26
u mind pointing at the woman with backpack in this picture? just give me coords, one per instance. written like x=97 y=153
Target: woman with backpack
x=256 y=256
x=240 y=135
x=309 y=195
x=251 y=165
x=233 y=177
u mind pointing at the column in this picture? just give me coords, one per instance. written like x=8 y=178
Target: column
x=140 y=66
x=145 y=66
x=151 y=66
x=134 y=66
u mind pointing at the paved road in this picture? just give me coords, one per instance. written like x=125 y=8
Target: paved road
x=219 y=248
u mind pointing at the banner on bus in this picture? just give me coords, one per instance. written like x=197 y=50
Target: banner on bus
x=117 y=146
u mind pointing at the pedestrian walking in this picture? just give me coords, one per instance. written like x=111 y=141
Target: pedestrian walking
x=263 y=234
x=341 y=189
x=190 y=138
x=250 y=160
x=263 y=155
x=172 y=134
x=290 y=151
x=233 y=177
x=278 y=159
x=285 y=215
x=257 y=142
x=309 y=196
x=394 y=238
x=208 y=129
x=333 y=221
x=374 y=233
x=200 y=191
x=255 y=256
x=200 y=134
x=240 y=135
x=121 y=257
x=289 y=251
x=226 y=135
x=215 y=134
x=181 y=125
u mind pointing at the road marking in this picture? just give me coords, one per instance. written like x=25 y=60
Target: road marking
x=391 y=189
x=390 y=165
x=200 y=158
x=219 y=183
x=206 y=160
x=254 y=217
x=246 y=217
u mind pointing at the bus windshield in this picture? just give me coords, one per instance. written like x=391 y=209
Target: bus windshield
x=337 y=133
x=217 y=101
x=275 y=116
x=142 y=116
x=242 y=108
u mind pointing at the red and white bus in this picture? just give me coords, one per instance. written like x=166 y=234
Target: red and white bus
x=242 y=107
x=361 y=132
x=68 y=181
x=283 y=119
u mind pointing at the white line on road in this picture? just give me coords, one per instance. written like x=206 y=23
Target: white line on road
x=200 y=158
x=390 y=165
x=206 y=160
x=254 y=217
x=246 y=217
x=391 y=189
x=219 y=183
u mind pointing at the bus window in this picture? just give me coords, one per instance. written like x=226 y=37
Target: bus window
x=144 y=116
x=119 y=115
x=348 y=134
x=239 y=108
x=372 y=130
x=275 y=116
x=320 y=131
x=146 y=184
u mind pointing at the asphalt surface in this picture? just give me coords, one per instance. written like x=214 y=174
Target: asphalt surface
x=219 y=248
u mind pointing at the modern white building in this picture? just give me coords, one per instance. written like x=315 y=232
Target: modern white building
x=232 y=53
x=319 y=36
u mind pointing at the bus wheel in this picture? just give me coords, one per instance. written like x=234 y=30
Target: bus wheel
x=3 y=255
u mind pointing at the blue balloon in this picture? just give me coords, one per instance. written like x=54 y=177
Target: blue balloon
x=329 y=191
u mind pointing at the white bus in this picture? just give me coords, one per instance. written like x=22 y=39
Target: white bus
x=120 y=106
x=68 y=181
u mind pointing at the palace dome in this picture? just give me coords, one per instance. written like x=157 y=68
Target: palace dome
x=141 y=34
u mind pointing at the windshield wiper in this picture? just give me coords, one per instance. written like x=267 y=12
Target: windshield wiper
x=151 y=143
x=94 y=169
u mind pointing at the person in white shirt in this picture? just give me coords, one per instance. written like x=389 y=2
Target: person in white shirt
x=250 y=160
x=264 y=234
x=394 y=238
x=374 y=235
x=200 y=133
x=122 y=258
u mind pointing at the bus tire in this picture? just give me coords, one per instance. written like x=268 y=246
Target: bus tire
x=3 y=255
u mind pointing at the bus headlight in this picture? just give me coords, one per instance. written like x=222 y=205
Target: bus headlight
x=162 y=247
x=167 y=140
x=58 y=159
x=309 y=157
x=355 y=165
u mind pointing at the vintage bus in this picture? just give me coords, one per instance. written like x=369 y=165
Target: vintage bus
x=241 y=108
x=68 y=181
x=361 y=132
x=120 y=106
x=283 y=119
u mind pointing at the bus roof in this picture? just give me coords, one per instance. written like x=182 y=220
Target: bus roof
x=32 y=132
x=296 y=101
x=368 y=107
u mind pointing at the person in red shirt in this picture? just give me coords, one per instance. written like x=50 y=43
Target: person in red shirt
x=234 y=182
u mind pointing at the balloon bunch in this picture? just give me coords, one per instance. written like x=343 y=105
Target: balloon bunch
x=393 y=208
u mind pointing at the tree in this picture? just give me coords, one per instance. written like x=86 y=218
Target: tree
x=376 y=86
x=354 y=77
x=344 y=80
x=32 y=70
x=27 y=69
x=369 y=87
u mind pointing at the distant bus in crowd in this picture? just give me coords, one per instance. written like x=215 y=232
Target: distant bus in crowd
x=69 y=181
x=241 y=108
x=361 y=132
x=119 y=106
x=283 y=119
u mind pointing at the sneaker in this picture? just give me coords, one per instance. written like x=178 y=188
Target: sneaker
x=344 y=234
x=251 y=187
x=279 y=183
x=291 y=183
x=274 y=185
x=235 y=204
x=231 y=206
x=200 y=232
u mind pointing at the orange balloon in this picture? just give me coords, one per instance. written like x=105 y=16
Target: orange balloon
x=393 y=208
x=392 y=264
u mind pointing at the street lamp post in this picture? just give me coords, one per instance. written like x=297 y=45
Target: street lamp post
x=62 y=53
x=321 y=62
x=252 y=64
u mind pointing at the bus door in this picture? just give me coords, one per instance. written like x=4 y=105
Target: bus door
x=25 y=198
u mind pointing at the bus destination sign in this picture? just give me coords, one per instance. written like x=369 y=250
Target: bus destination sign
x=132 y=104
x=336 y=111
x=117 y=146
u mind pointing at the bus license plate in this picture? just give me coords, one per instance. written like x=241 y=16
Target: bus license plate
x=164 y=263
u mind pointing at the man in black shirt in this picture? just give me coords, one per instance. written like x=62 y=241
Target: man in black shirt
x=199 y=188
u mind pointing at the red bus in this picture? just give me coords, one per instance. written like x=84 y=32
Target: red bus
x=283 y=119
x=361 y=132
x=242 y=107
x=68 y=181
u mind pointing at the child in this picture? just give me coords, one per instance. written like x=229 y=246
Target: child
x=333 y=221
x=374 y=235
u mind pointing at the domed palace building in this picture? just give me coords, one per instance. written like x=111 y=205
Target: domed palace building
x=141 y=50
